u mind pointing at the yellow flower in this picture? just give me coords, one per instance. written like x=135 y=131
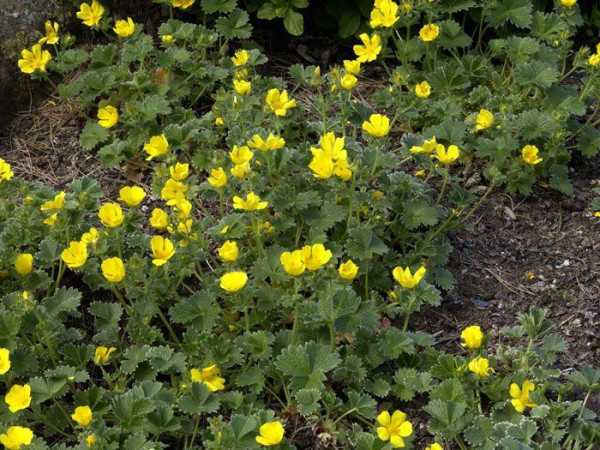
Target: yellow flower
x=435 y=446
x=181 y=206
x=210 y=377
x=15 y=437
x=113 y=269
x=108 y=116
x=369 y=50
x=472 y=336
x=18 y=398
x=167 y=39
x=24 y=264
x=352 y=66
x=182 y=4
x=251 y=203
x=90 y=15
x=173 y=190
x=242 y=87
x=485 y=119
x=56 y=204
x=321 y=164
x=429 y=32
x=348 y=270
x=530 y=155
x=218 y=178
x=158 y=146
x=5 y=172
x=131 y=195
x=315 y=256
x=91 y=237
x=240 y=171
x=423 y=90
x=377 y=126
x=446 y=157
x=594 y=60
x=124 y=28
x=4 y=360
x=162 y=250
x=568 y=3
x=219 y=122
x=229 y=251
x=384 y=14
x=480 y=367
x=271 y=433
x=348 y=81
x=420 y=173
x=90 y=441
x=75 y=255
x=520 y=397
x=265 y=145
x=240 y=155
x=292 y=263
x=102 y=354
x=111 y=215
x=597 y=214
x=394 y=428
x=427 y=147
x=179 y=172
x=279 y=102
x=240 y=58
x=406 y=278
x=82 y=415
x=51 y=34
x=34 y=60
x=51 y=220
x=233 y=281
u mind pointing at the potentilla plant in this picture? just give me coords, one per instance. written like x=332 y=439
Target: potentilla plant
x=262 y=283
x=503 y=81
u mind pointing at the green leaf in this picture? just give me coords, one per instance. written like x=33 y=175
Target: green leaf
x=536 y=73
x=520 y=49
x=294 y=22
x=43 y=389
x=92 y=135
x=221 y=6
x=364 y=404
x=199 y=401
x=308 y=400
x=349 y=23
x=131 y=408
x=270 y=266
x=450 y=131
x=49 y=251
x=236 y=25
x=547 y=26
x=452 y=35
x=107 y=314
x=589 y=141
x=447 y=418
x=63 y=300
x=364 y=243
x=103 y=56
x=449 y=77
x=417 y=213
x=162 y=419
x=536 y=124
x=197 y=310
x=518 y=12
x=137 y=49
x=307 y=365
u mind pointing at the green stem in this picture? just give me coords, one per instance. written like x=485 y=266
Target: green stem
x=477 y=205
x=444 y=183
x=164 y=320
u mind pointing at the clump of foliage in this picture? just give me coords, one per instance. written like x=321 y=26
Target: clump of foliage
x=264 y=282
x=506 y=91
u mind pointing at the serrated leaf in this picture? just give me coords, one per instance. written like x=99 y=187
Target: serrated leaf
x=364 y=243
x=308 y=400
x=518 y=12
x=199 y=401
x=92 y=135
x=197 y=310
x=236 y=25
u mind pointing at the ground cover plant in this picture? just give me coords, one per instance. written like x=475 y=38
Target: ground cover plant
x=258 y=290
